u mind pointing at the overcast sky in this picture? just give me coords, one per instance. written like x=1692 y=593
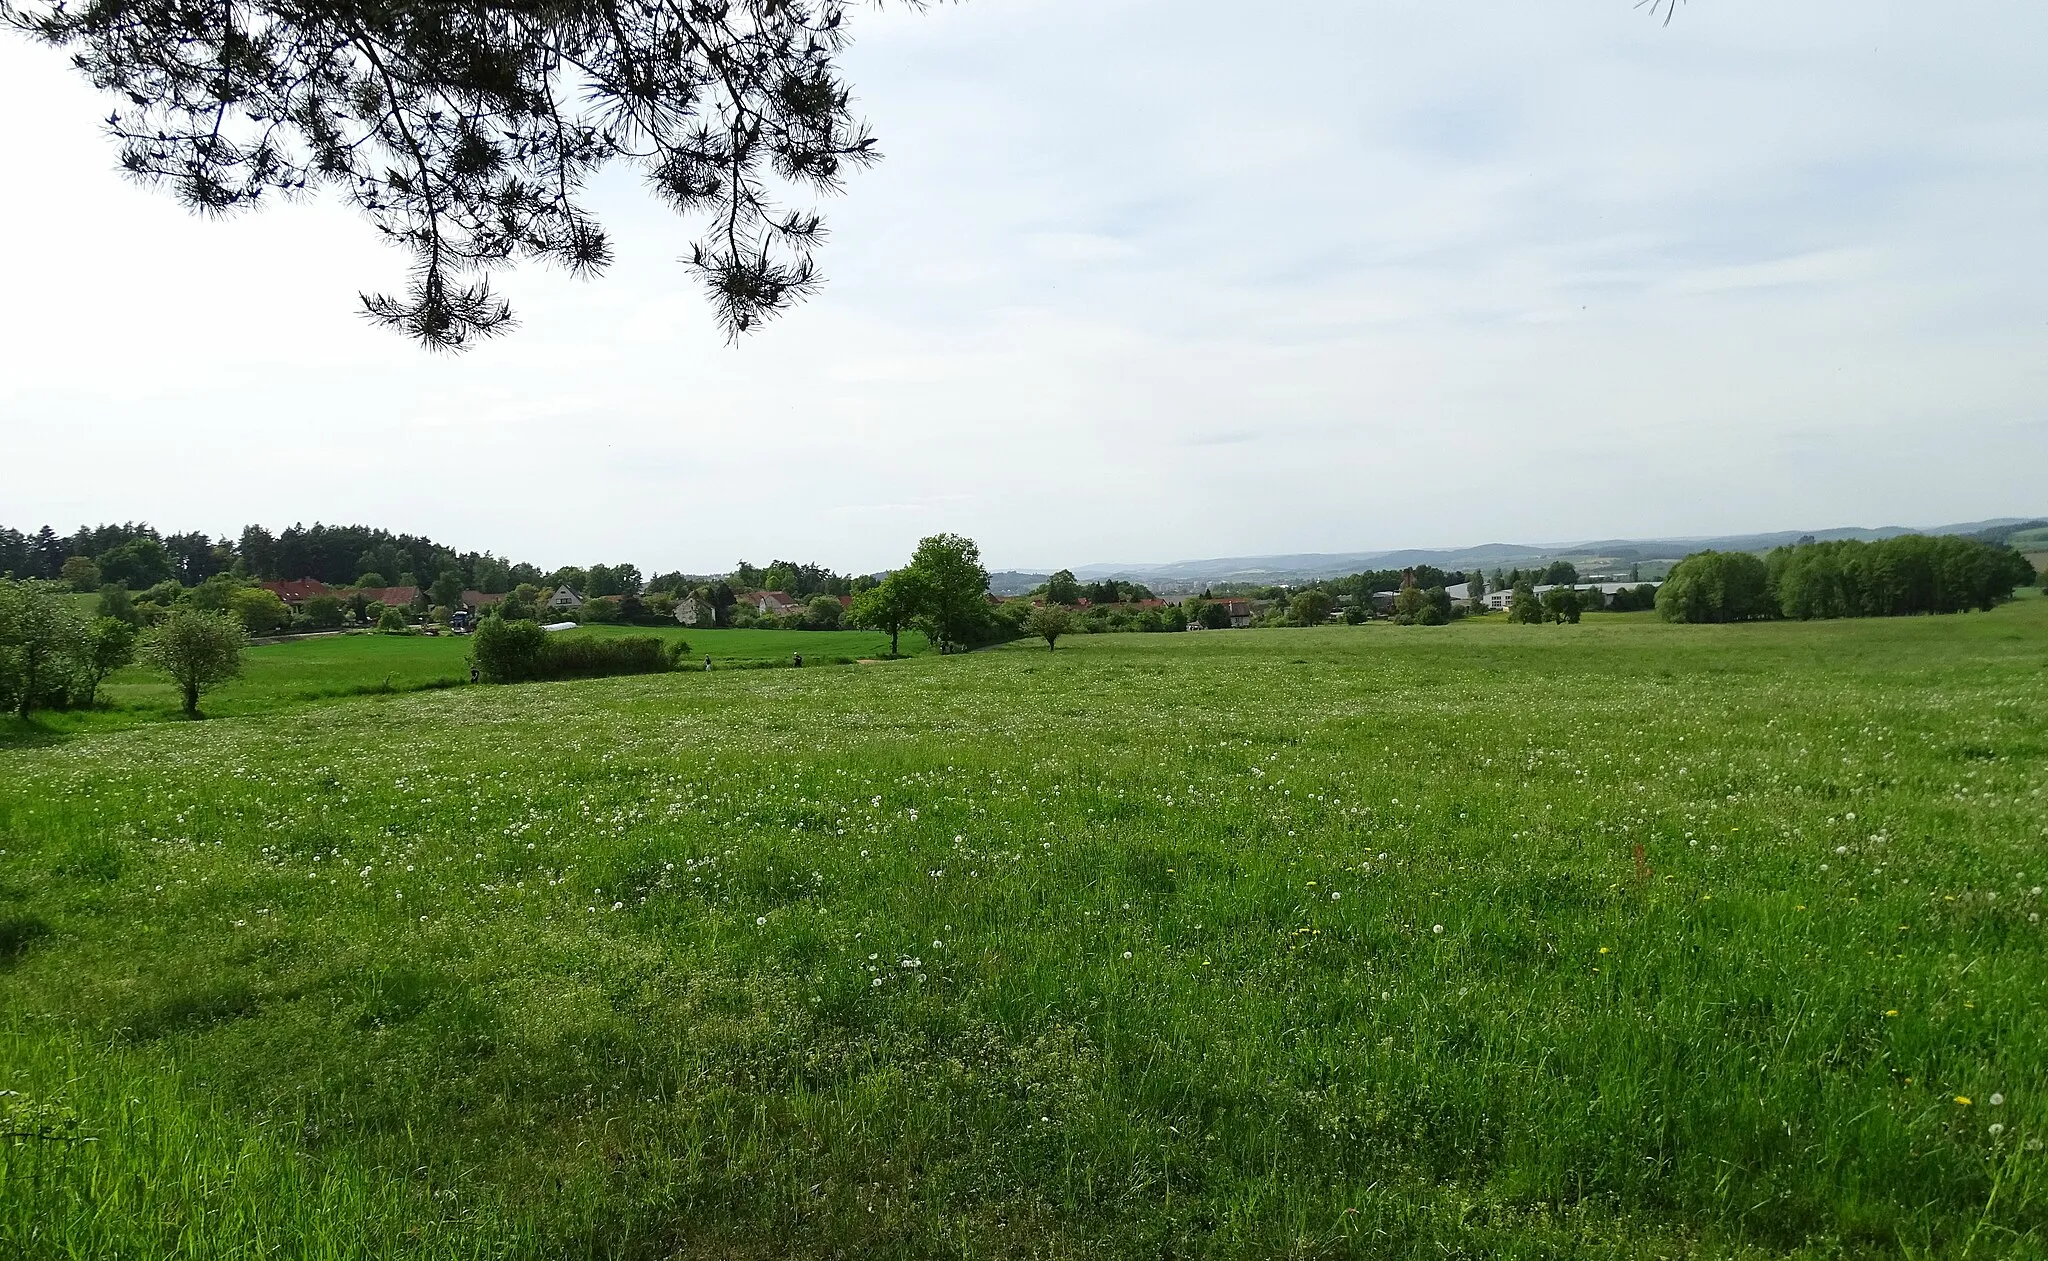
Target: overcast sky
x=1140 y=280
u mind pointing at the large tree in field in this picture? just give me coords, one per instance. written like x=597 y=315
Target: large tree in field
x=954 y=586
x=199 y=650
x=465 y=130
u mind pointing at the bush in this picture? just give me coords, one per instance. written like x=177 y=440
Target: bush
x=323 y=612
x=521 y=652
x=261 y=611
x=508 y=651
x=823 y=613
x=391 y=622
x=590 y=657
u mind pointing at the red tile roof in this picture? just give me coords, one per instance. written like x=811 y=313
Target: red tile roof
x=296 y=590
x=390 y=597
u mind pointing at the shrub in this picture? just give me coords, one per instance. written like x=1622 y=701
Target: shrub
x=521 y=652
x=824 y=612
x=590 y=657
x=261 y=611
x=323 y=612
x=391 y=622
x=115 y=602
x=508 y=651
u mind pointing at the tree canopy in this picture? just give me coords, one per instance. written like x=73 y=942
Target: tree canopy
x=465 y=130
x=947 y=572
x=199 y=650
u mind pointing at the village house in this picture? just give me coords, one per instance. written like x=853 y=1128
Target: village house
x=565 y=599
x=297 y=591
x=771 y=603
x=390 y=597
x=1240 y=610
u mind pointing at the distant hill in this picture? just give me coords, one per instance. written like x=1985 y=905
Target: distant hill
x=1308 y=566
x=1014 y=582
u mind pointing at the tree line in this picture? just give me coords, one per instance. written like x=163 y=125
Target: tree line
x=159 y=570
x=1895 y=577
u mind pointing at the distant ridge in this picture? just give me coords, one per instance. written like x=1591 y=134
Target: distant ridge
x=1309 y=566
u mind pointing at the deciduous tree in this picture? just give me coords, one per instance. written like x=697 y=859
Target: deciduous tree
x=1049 y=621
x=891 y=606
x=199 y=650
x=109 y=645
x=953 y=588
x=81 y=573
x=1310 y=607
x=824 y=612
x=41 y=641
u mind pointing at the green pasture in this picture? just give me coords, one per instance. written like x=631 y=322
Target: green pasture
x=1615 y=940
x=311 y=668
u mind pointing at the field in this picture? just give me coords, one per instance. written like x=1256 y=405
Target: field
x=325 y=667
x=1616 y=940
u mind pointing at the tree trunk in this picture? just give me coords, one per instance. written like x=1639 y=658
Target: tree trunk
x=893 y=633
x=191 y=700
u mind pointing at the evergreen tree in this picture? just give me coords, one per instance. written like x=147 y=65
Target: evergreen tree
x=467 y=132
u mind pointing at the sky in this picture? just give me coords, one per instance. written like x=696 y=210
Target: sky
x=1139 y=280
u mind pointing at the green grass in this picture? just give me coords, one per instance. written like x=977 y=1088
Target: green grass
x=288 y=674
x=1615 y=940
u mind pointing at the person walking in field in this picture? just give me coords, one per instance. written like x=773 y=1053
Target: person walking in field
x=799 y=659
x=707 y=663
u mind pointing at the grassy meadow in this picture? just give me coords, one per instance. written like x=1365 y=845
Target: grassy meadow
x=284 y=674
x=1617 y=940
